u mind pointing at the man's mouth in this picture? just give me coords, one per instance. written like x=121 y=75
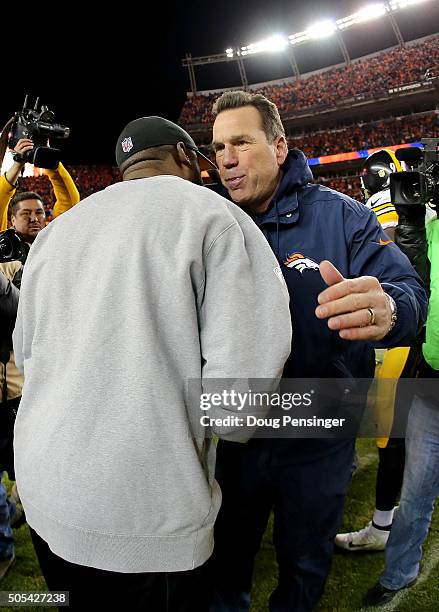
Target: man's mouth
x=235 y=182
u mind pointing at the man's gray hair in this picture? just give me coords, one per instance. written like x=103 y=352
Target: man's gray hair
x=271 y=121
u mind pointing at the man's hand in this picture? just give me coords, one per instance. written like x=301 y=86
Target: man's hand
x=23 y=146
x=357 y=307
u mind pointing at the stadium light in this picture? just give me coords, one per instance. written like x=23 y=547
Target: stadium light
x=401 y=4
x=325 y=28
x=295 y=39
x=371 y=11
x=321 y=29
x=274 y=43
x=367 y=13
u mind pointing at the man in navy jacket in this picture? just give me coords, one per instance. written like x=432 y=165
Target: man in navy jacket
x=352 y=290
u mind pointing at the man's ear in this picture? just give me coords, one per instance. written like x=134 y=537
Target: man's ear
x=281 y=147
x=182 y=155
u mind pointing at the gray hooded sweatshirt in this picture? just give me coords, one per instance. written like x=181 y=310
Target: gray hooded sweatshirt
x=125 y=298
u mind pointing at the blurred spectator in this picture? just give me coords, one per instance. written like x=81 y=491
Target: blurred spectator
x=349 y=185
x=366 y=136
x=88 y=179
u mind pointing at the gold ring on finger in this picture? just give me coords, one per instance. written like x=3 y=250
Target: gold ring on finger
x=372 y=316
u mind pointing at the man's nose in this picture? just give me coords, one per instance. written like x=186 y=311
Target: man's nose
x=230 y=158
x=33 y=217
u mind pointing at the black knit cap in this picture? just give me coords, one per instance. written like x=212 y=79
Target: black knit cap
x=148 y=132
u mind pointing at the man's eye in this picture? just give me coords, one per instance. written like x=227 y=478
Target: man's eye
x=242 y=143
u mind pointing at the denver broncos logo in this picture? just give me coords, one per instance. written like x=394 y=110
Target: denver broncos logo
x=299 y=262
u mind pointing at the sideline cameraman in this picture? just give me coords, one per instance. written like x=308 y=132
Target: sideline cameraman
x=8 y=402
x=65 y=190
x=28 y=219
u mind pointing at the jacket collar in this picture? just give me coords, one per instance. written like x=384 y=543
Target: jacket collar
x=296 y=173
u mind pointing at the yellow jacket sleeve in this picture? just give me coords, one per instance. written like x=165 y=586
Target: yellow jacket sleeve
x=65 y=190
x=6 y=193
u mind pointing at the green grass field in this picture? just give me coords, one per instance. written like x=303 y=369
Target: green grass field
x=351 y=575
x=354 y=573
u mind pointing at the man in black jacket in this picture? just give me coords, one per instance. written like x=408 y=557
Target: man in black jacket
x=8 y=310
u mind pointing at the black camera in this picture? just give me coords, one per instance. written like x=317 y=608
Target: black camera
x=38 y=126
x=12 y=247
x=420 y=185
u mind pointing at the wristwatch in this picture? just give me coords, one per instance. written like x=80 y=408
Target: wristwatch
x=393 y=311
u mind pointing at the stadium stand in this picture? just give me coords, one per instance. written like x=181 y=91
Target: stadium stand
x=363 y=78
x=88 y=180
x=360 y=136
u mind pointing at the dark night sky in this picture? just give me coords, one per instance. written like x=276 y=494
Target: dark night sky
x=122 y=66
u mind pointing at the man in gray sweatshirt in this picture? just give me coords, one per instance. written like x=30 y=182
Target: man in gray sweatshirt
x=140 y=291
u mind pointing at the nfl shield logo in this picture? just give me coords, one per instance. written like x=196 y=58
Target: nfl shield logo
x=127 y=144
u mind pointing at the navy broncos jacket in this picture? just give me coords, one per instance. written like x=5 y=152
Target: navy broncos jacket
x=307 y=223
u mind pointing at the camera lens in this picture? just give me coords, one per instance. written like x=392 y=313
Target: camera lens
x=411 y=192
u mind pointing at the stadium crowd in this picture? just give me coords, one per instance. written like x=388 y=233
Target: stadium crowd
x=363 y=78
x=90 y=179
x=366 y=135
x=350 y=185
